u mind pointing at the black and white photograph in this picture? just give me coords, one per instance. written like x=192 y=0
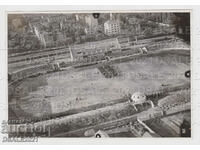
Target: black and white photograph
x=99 y=74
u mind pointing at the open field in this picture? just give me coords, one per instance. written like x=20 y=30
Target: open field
x=77 y=88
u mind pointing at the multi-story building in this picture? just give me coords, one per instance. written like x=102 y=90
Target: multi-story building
x=112 y=27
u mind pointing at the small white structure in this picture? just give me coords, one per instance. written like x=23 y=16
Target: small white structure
x=144 y=49
x=101 y=134
x=138 y=98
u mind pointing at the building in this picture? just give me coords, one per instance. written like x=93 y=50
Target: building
x=112 y=27
x=138 y=97
x=98 y=48
x=92 y=25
